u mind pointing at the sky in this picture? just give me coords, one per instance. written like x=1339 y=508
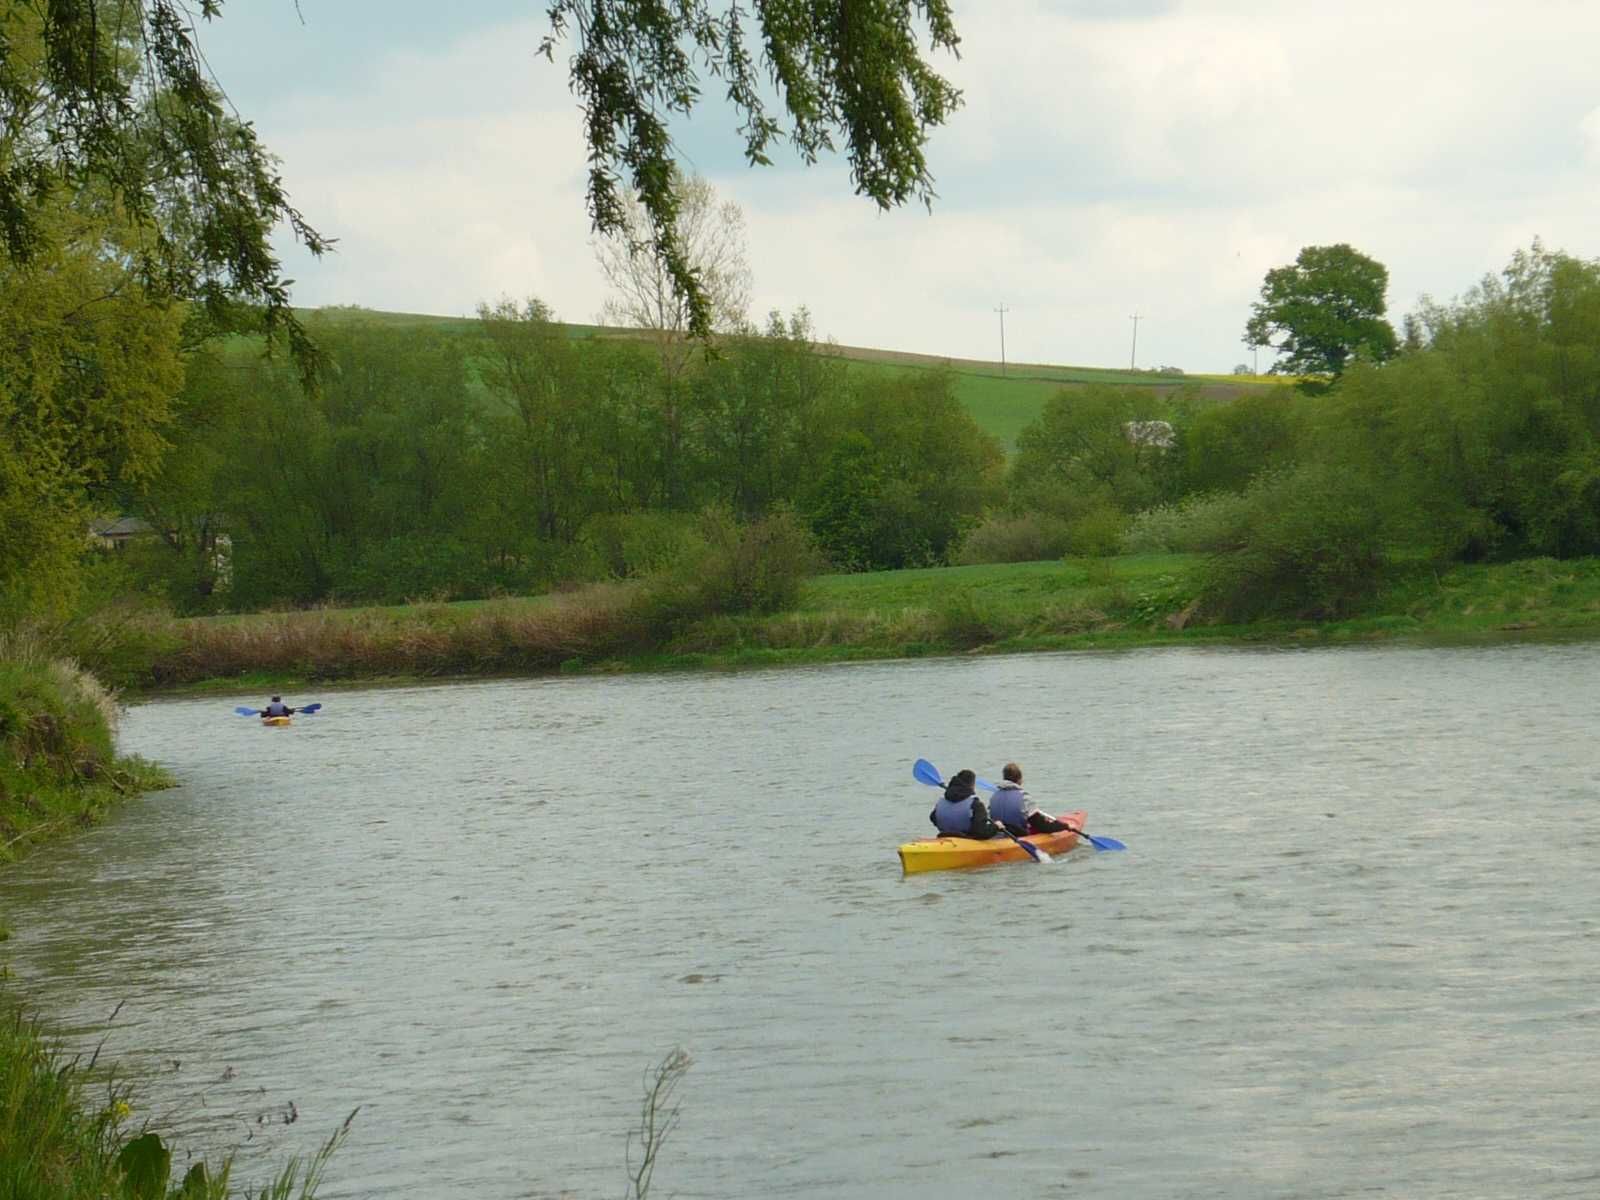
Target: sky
x=1112 y=158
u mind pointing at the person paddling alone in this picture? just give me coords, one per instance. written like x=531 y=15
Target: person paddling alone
x=959 y=812
x=277 y=708
x=1014 y=808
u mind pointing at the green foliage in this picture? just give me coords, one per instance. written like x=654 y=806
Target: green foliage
x=1326 y=310
x=1097 y=532
x=1197 y=524
x=1308 y=543
x=58 y=768
x=1487 y=436
x=853 y=73
x=57 y=1145
x=1022 y=537
x=843 y=505
x=754 y=567
x=145 y=1163
x=1223 y=446
x=759 y=410
x=1079 y=455
x=908 y=476
x=631 y=545
x=964 y=620
x=88 y=365
x=120 y=105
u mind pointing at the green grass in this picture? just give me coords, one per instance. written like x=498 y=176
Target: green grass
x=1010 y=587
x=65 y=1134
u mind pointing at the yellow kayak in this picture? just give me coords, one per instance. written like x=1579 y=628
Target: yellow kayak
x=954 y=853
x=277 y=720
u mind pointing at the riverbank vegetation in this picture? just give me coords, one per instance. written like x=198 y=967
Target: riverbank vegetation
x=1080 y=603
x=58 y=767
x=66 y=1134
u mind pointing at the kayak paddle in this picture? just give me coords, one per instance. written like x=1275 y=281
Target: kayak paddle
x=256 y=712
x=925 y=772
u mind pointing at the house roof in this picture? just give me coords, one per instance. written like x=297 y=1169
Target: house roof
x=122 y=527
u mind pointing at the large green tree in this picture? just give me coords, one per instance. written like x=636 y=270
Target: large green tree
x=906 y=476
x=88 y=368
x=1322 y=312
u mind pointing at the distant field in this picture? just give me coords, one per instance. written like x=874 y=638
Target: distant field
x=1002 y=400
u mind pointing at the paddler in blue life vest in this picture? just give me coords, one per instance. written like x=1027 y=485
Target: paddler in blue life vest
x=277 y=708
x=959 y=812
x=1015 y=809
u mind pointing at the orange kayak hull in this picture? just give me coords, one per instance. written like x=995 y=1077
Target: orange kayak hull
x=958 y=853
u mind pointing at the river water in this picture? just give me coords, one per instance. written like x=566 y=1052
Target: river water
x=1353 y=949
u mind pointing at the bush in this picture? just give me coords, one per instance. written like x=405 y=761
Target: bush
x=1022 y=537
x=58 y=768
x=632 y=545
x=1096 y=533
x=1306 y=544
x=961 y=620
x=756 y=567
x=1196 y=524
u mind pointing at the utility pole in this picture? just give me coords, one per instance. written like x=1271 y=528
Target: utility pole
x=1002 y=311
x=1134 y=353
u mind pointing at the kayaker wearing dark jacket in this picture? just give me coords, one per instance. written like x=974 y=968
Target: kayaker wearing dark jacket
x=1015 y=809
x=960 y=813
x=277 y=708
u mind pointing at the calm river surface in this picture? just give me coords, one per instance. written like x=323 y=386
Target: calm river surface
x=1354 y=947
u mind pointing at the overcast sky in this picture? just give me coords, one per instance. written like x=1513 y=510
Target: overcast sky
x=1113 y=157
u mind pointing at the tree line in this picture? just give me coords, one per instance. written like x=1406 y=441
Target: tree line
x=513 y=457
x=1475 y=436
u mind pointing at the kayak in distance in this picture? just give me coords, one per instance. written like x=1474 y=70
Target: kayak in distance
x=957 y=853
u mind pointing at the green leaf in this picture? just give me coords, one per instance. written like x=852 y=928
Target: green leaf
x=145 y=1164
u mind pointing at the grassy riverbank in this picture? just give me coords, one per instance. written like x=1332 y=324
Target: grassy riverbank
x=59 y=770
x=1085 y=603
x=66 y=1134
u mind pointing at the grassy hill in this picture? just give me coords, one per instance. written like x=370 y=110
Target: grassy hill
x=1003 y=400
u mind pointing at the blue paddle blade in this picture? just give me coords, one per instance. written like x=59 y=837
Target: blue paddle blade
x=246 y=712
x=987 y=786
x=309 y=708
x=924 y=771
x=1103 y=843
x=1038 y=855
